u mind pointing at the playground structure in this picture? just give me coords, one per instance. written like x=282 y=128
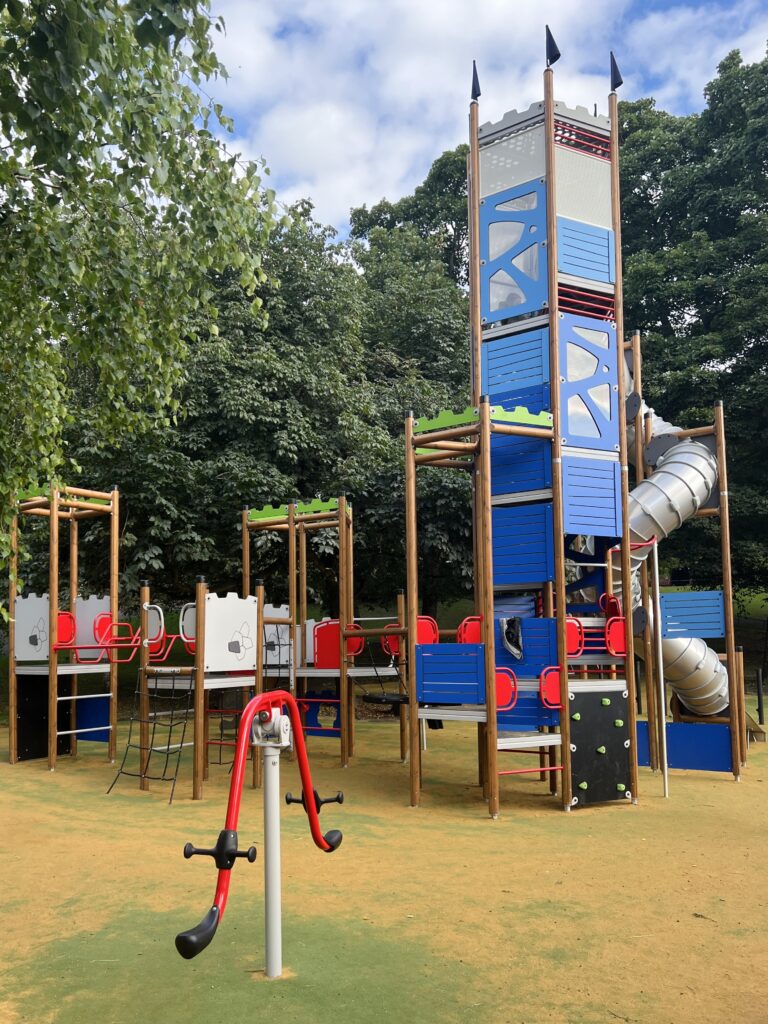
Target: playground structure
x=318 y=658
x=265 y=724
x=52 y=651
x=560 y=544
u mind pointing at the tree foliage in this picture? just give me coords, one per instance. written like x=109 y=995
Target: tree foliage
x=117 y=201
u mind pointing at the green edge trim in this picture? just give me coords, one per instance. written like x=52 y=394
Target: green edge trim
x=446 y=418
x=258 y=515
x=520 y=415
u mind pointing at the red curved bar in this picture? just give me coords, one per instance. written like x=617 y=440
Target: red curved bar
x=266 y=702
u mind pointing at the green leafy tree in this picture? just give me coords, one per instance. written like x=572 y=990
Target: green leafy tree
x=117 y=202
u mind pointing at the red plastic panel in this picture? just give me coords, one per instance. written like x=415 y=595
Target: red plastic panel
x=391 y=644
x=506 y=689
x=327 y=638
x=615 y=638
x=549 y=687
x=574 y=637
x=65 y=628
x=427 y=630
x=470 y=630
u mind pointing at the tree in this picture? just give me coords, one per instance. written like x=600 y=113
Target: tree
x=437 y=209
x=117 y=202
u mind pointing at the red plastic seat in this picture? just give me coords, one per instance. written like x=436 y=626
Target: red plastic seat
x=610 y=605
x=470 y=630
x=549 y=687
x=327 y=642
x=391 y=644
x=427 y=630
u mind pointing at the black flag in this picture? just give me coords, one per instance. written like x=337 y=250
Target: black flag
x=475 y=82
x=616 y=79
x=553 y=54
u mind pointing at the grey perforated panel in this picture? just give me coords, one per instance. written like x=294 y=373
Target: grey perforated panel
x=583 y=187
x=512 y=160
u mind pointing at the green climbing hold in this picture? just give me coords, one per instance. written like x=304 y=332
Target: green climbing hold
x=618 y=722
x=576 y=717
x=606 y=702
x=583 y=785
x=620 y=787
x=600 y=750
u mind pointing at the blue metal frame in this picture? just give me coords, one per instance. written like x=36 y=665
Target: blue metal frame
x=534 y=224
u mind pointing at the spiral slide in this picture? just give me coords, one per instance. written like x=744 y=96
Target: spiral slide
x=684 y=478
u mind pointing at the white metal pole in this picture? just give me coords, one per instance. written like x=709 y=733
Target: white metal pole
x=273 y=929
x=660 y=669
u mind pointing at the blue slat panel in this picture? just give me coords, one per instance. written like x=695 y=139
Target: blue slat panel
x=528 y=292
x=523 y=548
x=524 y=607
x=450 y=673
x=90 y=714
x=693 y=613
x=592 y=497
x=519 y=464
x=585 y=251
x=702 y=748
x=528 y=714
x=515 y=362
x=534 y=399
x=539 y=648
x=589 y=394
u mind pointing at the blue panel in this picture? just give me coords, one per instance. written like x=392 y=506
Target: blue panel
x=523 y=607
x=312 y=714
x=585 y=251
x=519 y=464
x=90 y=715
x=589 y=395
x=539 y=638
x=693 y=613
x=515 y=362
x=513 y=272
x=527 y=714
x=703 y=748
x=535 y=399
x=450 y=673
x=592 y=497
x=523 y=550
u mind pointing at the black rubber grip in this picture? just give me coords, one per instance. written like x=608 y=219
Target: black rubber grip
x=190 y=943
x=333 y=838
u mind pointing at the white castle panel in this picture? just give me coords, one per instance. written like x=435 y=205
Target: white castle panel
x=31 y=613
x=230 y=633
x=277 y=639
x=512 y=160
x=583 y=187
x=86 y=611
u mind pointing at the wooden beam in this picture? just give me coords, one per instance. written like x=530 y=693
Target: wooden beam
x=73 y=591
x=13 y=693
x=485 y=523
x=473 y=201
x=198 y=767
x=557 y=467
x=114 y=611
x=53 y=628
x=412 y=591
x=144 y=751
x=245 y=544
x=626 y=565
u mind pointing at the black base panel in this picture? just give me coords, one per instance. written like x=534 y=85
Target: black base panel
x=594 y=728
x=32 y=718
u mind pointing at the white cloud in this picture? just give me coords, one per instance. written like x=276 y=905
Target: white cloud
x=351 y=100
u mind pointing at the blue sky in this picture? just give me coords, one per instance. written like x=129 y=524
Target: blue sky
x=349 y=101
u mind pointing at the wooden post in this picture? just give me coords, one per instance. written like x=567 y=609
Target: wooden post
x=144 y=751
x=742 y=706
x=198 y=769
x=73 y=591
x=343 y=672
x=557 y=460
x=114 y=612
x=302 y=599
x=626 y=566
x=725 y=553
x=401 y=621
x=292 y=609
x=412 y=591
x=259 y=586
x=651 y=701
x=491 y=731
x=246 y=544
x=350 y=615
x=13 y=691
x=53 y=628
x=473 y=199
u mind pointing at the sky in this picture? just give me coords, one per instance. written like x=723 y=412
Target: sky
x=350 y=101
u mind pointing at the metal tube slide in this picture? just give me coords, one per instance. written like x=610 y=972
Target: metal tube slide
x=683 y=480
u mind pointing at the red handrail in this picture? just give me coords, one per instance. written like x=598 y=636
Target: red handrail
x=275 y=699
